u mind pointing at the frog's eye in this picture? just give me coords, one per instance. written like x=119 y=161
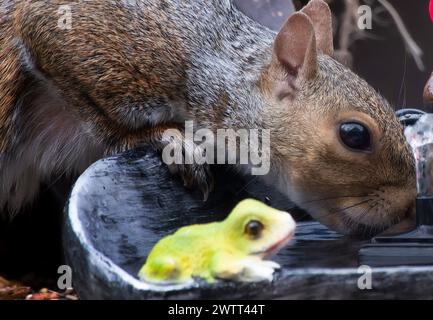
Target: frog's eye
x=254 y=229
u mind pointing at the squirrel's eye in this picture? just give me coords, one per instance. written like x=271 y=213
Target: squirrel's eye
x=355 y=136
x=254 y=229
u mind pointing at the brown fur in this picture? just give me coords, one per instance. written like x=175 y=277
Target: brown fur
x=128 y=70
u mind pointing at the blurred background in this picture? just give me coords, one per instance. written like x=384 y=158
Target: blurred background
x=381 y=55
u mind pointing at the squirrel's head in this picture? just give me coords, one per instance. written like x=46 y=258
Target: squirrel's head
x=337 y=145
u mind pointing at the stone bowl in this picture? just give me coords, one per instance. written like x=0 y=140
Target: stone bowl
x=122 y=205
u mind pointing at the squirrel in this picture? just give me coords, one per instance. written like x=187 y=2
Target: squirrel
x=126 y=71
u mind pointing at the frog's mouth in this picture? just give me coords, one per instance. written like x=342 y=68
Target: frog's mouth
x=273 y=249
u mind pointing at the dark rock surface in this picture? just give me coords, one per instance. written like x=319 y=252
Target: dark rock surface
x=121 y=206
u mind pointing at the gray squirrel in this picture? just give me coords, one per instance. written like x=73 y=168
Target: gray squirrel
x=126 y=71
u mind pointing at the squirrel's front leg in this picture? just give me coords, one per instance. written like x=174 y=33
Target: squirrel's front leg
x=175 y=150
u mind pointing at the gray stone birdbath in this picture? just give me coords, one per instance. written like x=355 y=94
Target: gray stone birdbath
x=122 y=205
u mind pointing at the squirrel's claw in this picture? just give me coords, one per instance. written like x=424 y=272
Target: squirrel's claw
x=207 y=187
x=194 y=175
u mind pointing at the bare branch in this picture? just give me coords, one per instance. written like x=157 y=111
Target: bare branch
x=411 y=45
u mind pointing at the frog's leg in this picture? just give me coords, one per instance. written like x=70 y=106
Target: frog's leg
x=164 y=269
x=226 y=266
x=250 y=269
x=257 y=269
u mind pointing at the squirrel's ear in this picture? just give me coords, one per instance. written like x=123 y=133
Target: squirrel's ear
x=295 y=46
x=320 y=15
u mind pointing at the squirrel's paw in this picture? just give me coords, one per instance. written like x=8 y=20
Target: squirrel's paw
x=195 y=175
